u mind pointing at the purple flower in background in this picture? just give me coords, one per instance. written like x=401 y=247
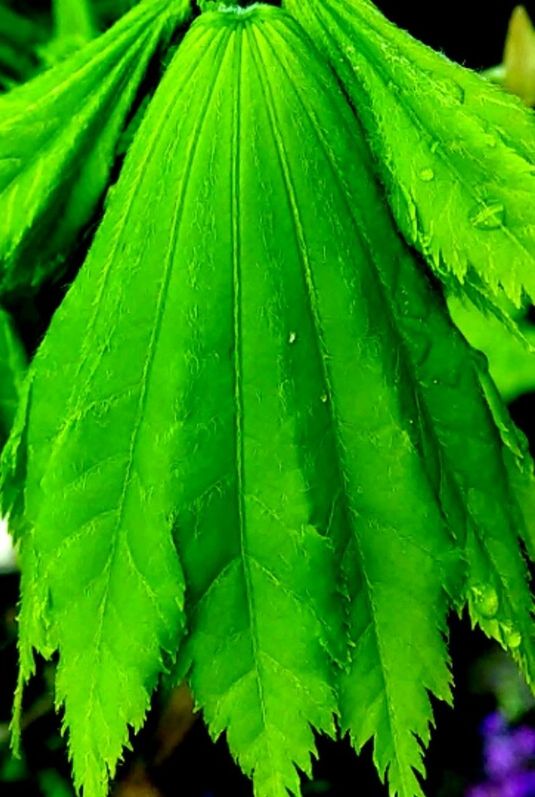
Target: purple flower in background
x=525 y=741
x=509 y=758
x=521 y=784
x=492 y=724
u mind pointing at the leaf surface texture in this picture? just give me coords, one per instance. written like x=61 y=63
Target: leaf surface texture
x=255 y=381
x=455 y=152
x=58 y=139
x=339 y=312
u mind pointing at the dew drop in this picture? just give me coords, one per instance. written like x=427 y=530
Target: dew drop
x=450 y=89
x=488 y=215
x=486 y=599
x=511 y=637
x=458 y=92
x=324 y=398
x=427 y=175
x=292 y=337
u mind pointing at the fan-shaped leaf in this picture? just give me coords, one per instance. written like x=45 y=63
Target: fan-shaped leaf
x=58 y=135
x=94 y=445
x=455 y=152
x=252 y=353
x=345 y=298
x=329 y=343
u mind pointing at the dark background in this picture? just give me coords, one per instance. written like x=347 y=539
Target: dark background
x=468 y=31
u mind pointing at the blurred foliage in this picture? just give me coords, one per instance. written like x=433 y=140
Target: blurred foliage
x=497 y=675
x=511 y=358
x=20 y=37
x=36 y=34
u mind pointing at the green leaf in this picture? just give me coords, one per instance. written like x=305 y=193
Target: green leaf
x=455 y=152
x=94 y=444
x=255 y=553
x=328 y=369
x=252 y=357
x=58 y=137
x=340 y=318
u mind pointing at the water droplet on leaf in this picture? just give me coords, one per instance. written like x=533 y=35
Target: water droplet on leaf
x=458 y=91
x=488 y=215
x=511 y=637
x=450 y=89
x=486 y=600
x=324 y=398
x=292 y=337
x=427 y=175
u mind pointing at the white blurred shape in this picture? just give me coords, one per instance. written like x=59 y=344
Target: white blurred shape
x=7 y=551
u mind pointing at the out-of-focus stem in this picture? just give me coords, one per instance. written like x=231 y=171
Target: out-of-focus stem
x=73 y=20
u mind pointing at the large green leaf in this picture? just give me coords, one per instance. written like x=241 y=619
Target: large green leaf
x=455 y=152
x=58 y=137
x=338 y=340
x=101 y=579
x=252 y=355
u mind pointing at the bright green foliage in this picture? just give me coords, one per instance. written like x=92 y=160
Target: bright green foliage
x=454 y=151
x=58 y=135
x=12 y=372
x=96 y=502
x=254 y=382
x=253 y=538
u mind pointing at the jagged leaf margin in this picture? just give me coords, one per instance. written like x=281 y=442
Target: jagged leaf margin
x=454 y=151
x=320 y=401
x=58 y=139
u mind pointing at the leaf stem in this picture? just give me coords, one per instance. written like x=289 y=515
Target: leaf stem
x=73 y=20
